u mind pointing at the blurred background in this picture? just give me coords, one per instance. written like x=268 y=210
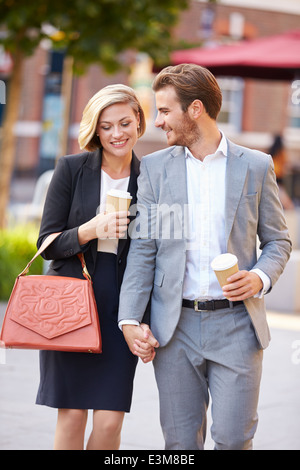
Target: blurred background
x=255 y=110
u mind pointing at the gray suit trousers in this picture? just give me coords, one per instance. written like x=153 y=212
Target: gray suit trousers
x=216 y=353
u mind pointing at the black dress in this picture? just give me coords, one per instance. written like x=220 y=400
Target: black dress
x=93 y=381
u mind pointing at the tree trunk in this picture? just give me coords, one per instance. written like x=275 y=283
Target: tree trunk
x=67 y=80
x=8 y=140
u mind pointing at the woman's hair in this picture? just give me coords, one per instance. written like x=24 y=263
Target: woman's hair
x=191 y=82
x=111 y=94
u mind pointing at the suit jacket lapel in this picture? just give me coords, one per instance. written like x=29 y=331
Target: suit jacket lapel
x=91 y=184
x=176 y=175
x=134 y=173
x=236 y=172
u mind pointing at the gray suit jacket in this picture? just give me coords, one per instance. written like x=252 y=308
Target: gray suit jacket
x=156 y=262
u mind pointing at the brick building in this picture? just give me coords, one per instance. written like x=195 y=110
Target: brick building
x=265 y=106
x=253 y=110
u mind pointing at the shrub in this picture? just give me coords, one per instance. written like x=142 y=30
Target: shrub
x=17 y=247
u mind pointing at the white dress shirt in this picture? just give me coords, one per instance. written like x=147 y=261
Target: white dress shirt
x=206 y=224
x=109 y=245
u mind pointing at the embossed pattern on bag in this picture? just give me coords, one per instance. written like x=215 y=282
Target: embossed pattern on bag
x=43 y=310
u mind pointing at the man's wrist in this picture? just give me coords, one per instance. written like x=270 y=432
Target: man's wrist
x=265 y=280
x=128 y=322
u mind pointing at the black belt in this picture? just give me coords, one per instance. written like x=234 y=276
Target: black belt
x=199 y=305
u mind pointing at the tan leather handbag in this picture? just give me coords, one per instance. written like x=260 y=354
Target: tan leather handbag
x=52 y=312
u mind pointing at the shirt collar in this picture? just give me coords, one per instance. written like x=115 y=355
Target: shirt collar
x=222 y=148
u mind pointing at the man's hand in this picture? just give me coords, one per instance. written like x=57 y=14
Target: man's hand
x=141 y=341
x=242 y=285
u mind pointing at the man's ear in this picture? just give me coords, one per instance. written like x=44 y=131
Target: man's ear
x=196 y=109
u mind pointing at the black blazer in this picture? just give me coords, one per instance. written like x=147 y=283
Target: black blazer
x=72 y=199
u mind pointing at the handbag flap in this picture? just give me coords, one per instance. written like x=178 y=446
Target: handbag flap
x=51 y=305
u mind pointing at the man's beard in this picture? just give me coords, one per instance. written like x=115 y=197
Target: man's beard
x=187 y=132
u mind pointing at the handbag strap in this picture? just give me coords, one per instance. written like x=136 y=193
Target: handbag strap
x=50 y=239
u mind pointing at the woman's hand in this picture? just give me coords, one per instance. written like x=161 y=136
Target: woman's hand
x=104 y=225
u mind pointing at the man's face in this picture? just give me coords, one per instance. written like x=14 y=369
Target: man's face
x=179 y=127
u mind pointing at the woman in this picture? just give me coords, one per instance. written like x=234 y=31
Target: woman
x=112 y=122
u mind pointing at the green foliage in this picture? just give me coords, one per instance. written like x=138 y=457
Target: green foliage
x=92 y=31
x=17 y=247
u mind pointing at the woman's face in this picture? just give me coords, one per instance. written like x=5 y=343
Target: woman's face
x=118 y=130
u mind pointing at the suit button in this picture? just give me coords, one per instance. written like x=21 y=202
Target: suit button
x=120 y=261
x=68 y=253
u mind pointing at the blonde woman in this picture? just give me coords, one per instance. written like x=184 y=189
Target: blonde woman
x=73 y=383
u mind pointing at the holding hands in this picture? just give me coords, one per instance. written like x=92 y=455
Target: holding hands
x=141 y=341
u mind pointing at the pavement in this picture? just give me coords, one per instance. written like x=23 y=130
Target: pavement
x=26 y=426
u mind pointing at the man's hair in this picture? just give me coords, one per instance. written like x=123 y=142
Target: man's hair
x=191 y=82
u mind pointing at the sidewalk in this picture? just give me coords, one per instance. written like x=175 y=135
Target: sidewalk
x=24 y=425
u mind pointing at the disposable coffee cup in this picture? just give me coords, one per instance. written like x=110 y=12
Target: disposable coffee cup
x=224 y=266
x=117 y=200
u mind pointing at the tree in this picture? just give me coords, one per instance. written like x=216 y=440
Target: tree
x=89 y=31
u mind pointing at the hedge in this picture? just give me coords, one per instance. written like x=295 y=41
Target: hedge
x=17 y=247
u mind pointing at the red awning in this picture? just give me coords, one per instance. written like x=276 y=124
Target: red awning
x=275 y=57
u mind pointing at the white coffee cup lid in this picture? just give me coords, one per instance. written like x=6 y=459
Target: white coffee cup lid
x=224 y=261
x=119 y=193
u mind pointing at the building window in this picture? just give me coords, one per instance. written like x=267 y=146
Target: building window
x=53 y=108
x=230 y=117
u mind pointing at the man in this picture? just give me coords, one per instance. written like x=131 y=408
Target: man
x=224 y=196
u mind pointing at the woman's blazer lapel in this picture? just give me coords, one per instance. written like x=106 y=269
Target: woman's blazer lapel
x=90 y=193
x=132 y=189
